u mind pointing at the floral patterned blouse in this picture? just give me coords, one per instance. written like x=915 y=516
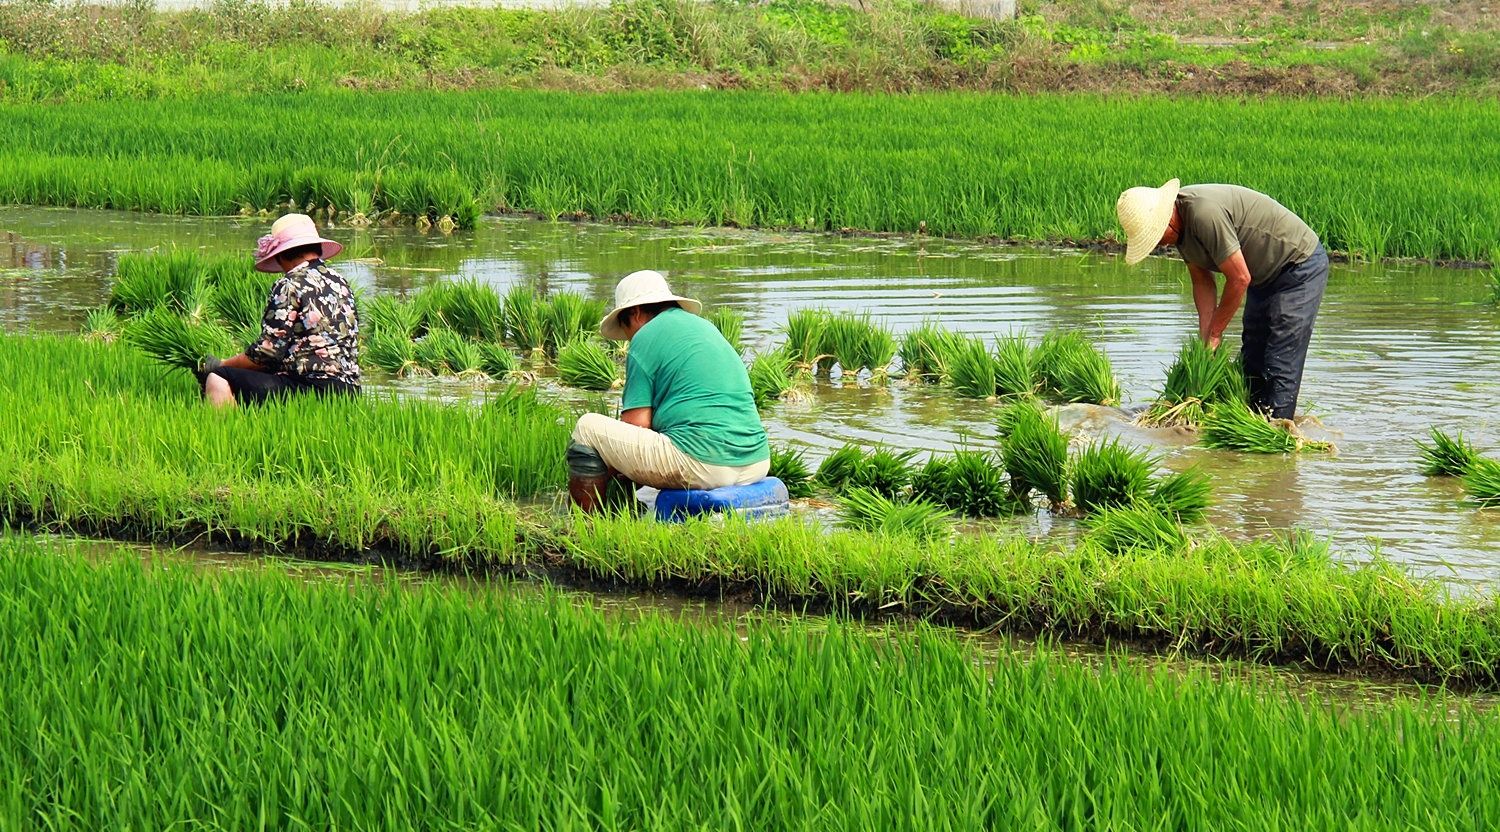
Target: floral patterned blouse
x=311 y=327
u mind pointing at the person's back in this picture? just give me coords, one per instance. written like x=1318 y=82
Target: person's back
x=1221 y=219
x=697 y=387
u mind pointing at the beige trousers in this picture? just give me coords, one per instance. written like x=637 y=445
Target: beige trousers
x=650 y=458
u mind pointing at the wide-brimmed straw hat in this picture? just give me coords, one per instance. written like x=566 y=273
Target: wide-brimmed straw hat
x=639 y=289
x=1145 y=214
x=289 y=232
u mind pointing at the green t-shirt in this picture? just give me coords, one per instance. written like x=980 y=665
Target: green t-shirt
x=697 y=388
x=1218 y=220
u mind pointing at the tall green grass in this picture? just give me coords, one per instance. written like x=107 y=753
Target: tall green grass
x=151 y=697
x=956 y=164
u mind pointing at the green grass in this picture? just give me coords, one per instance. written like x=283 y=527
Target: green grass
x=584 y=362
x=392 y=352
x=1136 y=527
x=1016 y=367
x=1232 y=426
x=388 y=315
x=468 y=307
x=925 y=351
x=443 y=350
x=161 y=697
x=971 y=370
x=1198 y=379
x=952 y=163
x=881 y=470
x=1447 y=456
x=175 y=341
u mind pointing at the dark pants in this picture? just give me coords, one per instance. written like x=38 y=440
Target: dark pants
x=1279 y=317
x=254 y=386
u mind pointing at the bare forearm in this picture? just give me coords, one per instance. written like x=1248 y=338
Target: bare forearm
x=1205 y=299
x=1229 y=303
x=241 y=362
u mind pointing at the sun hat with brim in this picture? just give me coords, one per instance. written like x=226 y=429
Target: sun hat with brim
x=289 y=232
x=639 y=289
x=1145 y=214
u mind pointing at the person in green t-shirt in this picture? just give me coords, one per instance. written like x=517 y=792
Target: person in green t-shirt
x=1271 y=260
x=687 y=416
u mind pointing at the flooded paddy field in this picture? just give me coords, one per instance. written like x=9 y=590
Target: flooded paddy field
x=1398 y=349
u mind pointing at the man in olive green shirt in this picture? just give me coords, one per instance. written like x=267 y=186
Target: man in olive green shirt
x=1271 y=260
x=687 y=416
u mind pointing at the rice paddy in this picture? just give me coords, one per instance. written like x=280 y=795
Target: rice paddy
x=770 y=160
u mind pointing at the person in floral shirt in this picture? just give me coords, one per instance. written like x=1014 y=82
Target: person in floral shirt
x=309 y=339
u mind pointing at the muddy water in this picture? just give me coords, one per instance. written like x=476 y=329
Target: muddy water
x=1399 y=348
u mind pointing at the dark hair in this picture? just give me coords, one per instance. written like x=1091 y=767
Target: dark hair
x=302 y=251
x=650 y=310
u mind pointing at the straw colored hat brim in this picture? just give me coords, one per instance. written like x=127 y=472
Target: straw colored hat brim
x=640 y=289
x=1145 y=214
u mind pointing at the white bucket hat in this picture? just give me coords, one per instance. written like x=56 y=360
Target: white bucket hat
x=291 y=231
x=1145 y=214
x=639 y=289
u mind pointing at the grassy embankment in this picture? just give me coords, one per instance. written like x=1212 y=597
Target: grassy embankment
x=74 y=51
x=100 y=443
x=1371 y=176
x=163 y=698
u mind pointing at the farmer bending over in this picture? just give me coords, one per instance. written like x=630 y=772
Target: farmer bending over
x=687 y=417
x=309 y=339
x=1270 y=260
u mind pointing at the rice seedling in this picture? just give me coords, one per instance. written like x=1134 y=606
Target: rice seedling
x=1447 y=456
x=730 y=323
x=392 y=352
x=103 y=324
x=925 y=351
x=497 y=361
x=468 y=307
x=177 y=280
x=388 y=314
x=567 y=316
x=525 y=318
x=1015 y=367
x=445 y=351
x=1034 y=451
x=885 y=472
x=807 y=339
x=969 y=483
x=838 y=470
x=1072 y=370
x=790 y=466
x=770 y=377
x=1109 y=474
x=240 y=296
x=870 y=510
x=1231 y=425
x=971 y=370
x=1199 y=378
x=1482 y=483
x=857 y=343
x=175 y=341
x=1136 y=527
x=1185 y=495
x=584 y=362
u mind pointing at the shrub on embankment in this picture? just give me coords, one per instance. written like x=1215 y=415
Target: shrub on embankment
x=955 y=164
x=163 y=697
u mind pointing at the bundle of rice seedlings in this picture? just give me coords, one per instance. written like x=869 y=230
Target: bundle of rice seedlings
x=239 y=298
x=790 y=466
x=569 y=315
x=1233 y=426
x=525 y=319
x=1199 y=378
x=770 y=377
x=1034 y=451
x=391 y=352
x=1135 y=528
x=388 y=314
x=868 y=510
x=143 y=282
x=730 y=323
x=586 y=363
x=497 y=361
x=1483 y=483
x=1185 y=495
x=443 y=350
x=1015 y=367
x=468 y=307
x=1447 y=456
x=971 y=370
x=840 y=467
x=102 y=324
x=925 y=351
x=176 y=341
x=1072 y=370
x=970 y=483
x=845 y=341
x=885 y=471
x=807 y=339
x=1109 y=474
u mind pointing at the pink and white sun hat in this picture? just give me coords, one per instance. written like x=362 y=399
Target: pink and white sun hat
x=289 y=232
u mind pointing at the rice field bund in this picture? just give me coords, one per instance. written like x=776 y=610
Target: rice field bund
x=1045 y=566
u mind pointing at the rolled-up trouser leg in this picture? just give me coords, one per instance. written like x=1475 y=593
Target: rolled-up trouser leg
x=1291 y=310
x=650 y=458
